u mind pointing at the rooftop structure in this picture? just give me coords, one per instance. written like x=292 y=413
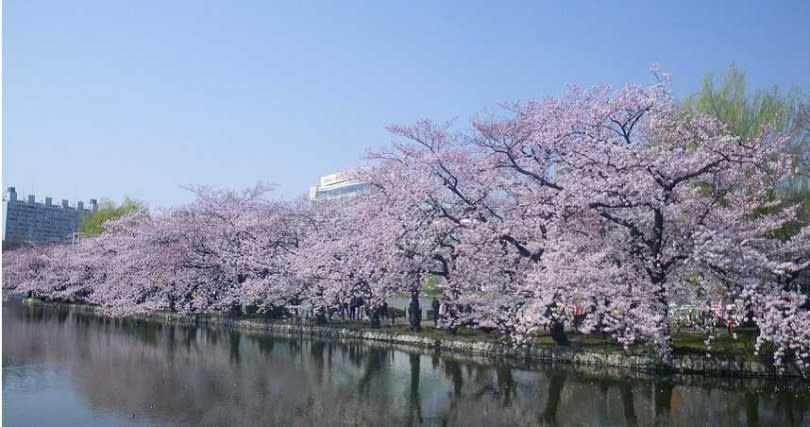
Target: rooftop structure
x=338 y=184
x=32 y=221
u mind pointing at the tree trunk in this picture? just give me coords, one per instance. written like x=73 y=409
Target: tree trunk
x=235 y=311
x=375 y=318
x=664 y=323
x=558 y=334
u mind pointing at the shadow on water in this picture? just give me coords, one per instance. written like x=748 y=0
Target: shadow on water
x=556 y=382
x=414 y=401
x=140 y=372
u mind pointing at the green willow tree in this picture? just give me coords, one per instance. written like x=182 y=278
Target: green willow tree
x=93 y=224
x=747 y=115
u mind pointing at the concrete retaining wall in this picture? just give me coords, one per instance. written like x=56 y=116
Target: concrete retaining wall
x=695 y=364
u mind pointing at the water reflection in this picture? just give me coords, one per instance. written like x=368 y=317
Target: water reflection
x=124 y=371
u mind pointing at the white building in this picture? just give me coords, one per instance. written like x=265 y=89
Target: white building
x=338 y=184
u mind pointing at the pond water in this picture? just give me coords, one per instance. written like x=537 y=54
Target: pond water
x=62 y=367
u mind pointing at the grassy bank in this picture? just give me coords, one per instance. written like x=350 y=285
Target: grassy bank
x=684 y=342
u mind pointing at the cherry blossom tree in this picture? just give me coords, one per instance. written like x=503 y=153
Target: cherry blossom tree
x=665 y=191
x=464 y=221
x=238 y=241
x=217 y=254
x=618 y=201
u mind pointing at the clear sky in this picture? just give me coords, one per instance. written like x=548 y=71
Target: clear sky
x=114 y=98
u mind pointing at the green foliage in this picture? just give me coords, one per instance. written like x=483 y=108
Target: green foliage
x=724 y=344
x=431 y=285
x=93 y=224
x=748 y=115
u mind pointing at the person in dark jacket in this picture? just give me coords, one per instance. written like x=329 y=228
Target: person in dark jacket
x=435 y=306
x=415 y=312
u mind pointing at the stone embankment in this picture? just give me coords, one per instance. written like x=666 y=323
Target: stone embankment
x=696 y=364
x=691 y=364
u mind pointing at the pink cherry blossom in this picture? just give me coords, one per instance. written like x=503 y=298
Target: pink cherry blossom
x=600 y=208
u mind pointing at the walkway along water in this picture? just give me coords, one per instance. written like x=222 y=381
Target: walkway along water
x=720 y=365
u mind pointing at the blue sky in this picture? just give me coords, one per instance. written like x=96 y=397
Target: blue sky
x=115 y=98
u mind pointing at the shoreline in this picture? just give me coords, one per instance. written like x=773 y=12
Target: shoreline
x=692 y=364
